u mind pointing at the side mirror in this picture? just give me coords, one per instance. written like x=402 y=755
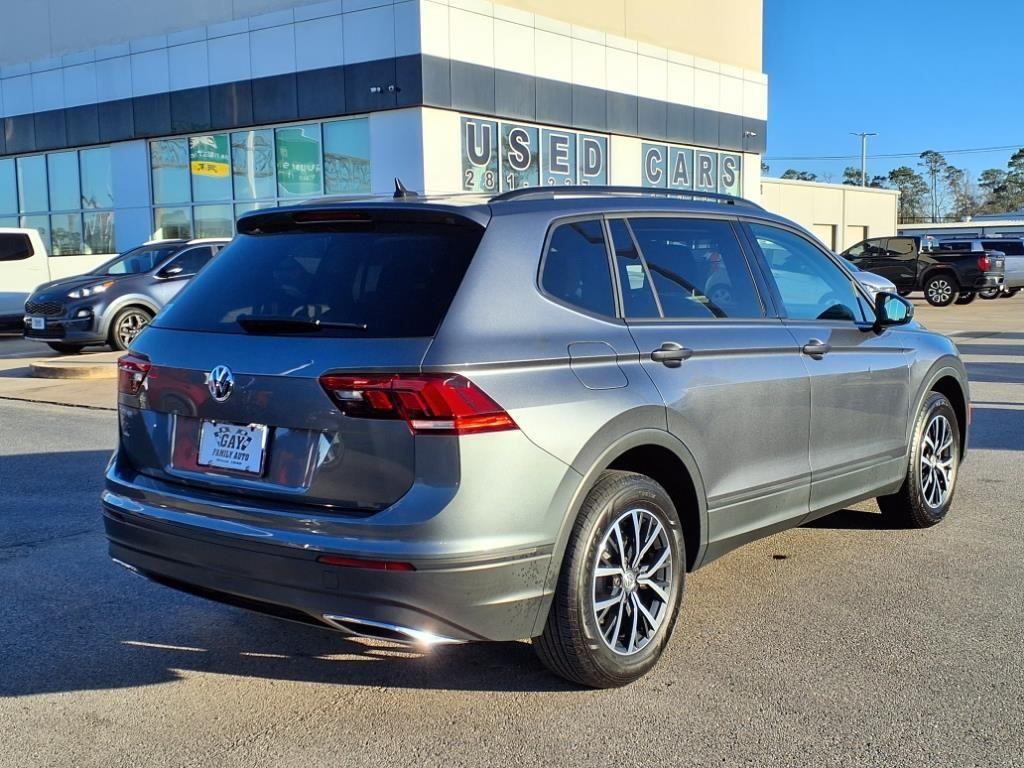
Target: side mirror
x=891 y=309
x=174 y=270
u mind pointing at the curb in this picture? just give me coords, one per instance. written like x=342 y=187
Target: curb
x=72 y=369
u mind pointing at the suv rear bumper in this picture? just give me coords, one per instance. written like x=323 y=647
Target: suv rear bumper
x=492 y=597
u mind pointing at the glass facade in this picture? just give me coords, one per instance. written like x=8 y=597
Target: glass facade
x=202 y=183
x=67 y=196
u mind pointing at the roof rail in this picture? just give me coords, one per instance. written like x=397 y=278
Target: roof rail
x=586 y=190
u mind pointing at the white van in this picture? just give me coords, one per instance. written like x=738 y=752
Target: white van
x=24 y=264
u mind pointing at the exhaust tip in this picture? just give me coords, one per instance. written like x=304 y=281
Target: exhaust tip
x=392 y=633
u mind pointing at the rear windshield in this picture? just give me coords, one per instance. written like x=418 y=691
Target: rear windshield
x=385 y=279
x=1009 y=247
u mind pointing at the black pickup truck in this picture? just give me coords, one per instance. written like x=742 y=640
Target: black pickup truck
x=917 y=264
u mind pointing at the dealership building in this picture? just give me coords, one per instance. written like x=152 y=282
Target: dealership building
x=172 y=124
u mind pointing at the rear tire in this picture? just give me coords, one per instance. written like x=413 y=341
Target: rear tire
x=990 y=293
x=596 y=635
x=904 y=294
x=940 y=290
x=966 y=297
x=927 y=491
x=1011 y=293
x=65 y=349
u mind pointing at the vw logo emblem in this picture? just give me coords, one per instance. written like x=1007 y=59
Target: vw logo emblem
x=220 y=381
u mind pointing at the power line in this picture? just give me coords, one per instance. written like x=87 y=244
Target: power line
x=895 y=155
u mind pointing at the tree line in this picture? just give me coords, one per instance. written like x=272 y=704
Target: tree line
x=939 y=191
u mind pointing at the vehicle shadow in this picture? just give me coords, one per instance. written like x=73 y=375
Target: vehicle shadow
x=73 y=620
x=854 y=520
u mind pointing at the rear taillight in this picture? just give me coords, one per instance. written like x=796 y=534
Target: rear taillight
x=984 y=263
x=131 y=373
x=430 y=403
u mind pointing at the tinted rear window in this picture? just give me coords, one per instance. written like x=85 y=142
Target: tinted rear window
x=15 y=247
x=1009 y=247
x=398 y=278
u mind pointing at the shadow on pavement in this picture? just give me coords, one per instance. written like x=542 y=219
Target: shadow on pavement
x=1010 y=350
x=997 y=429
x=999 y=373
x=73 y=620
x=853 y=520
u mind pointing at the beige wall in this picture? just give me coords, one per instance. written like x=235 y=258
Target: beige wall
x=840 y=212
x=727 y=31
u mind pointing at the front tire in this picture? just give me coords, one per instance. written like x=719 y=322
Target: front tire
x=940 y=290
x=127 y=325
x=927 y=491
x=620 y=585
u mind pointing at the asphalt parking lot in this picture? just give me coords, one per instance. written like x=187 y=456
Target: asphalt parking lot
x=841 y=643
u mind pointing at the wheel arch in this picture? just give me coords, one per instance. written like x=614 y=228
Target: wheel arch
x=659 y=455
x=950 y=381
x=124 y=302
x=944 y=269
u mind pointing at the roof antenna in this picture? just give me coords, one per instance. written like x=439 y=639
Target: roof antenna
x=401 y=192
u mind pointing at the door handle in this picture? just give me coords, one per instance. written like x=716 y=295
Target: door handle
x=816 y=349
x=671 y=354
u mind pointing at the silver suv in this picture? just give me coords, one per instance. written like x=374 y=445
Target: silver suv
x=448 y=419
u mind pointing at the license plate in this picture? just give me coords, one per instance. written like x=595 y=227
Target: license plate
x=38 y=323
x=232 y=446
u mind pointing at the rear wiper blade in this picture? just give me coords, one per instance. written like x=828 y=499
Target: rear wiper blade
x=285 y=324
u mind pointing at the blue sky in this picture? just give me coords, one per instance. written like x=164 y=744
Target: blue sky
x=923 y=74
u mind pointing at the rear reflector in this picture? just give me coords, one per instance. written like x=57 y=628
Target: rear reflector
x=131 y=373
x=430 y=403
x=373 y=565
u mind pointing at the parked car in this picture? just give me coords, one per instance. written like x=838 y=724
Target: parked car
x=437 y=420
x=113 y=303
x=23 y=265
x=1013 y=250
x=916 y=264
x=875 y=284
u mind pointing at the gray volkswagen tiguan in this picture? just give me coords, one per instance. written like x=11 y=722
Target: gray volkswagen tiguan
x=448 y=419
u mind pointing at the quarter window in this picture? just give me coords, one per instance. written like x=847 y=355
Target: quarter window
x=576 y=268
x=812 y=287
x=697 y=268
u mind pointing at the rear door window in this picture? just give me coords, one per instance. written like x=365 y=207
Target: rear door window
x=372 y=276
x=576 y=268
x=900 y=246
x=697 y=268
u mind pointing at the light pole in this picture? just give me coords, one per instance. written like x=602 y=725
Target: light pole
x=863 y=156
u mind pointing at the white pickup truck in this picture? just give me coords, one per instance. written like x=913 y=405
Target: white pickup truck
x=24 y=264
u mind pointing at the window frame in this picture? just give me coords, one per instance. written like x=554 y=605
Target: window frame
x=760 y=289
x=750 y=254
x=553 y=225
x=776 y=296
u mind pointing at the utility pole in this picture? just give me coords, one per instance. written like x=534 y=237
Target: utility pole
x=863 y=156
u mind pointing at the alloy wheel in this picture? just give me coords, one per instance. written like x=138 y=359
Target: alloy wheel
x=938 y=461
x=940 y=291
x=130 y=326
x=632 y=582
